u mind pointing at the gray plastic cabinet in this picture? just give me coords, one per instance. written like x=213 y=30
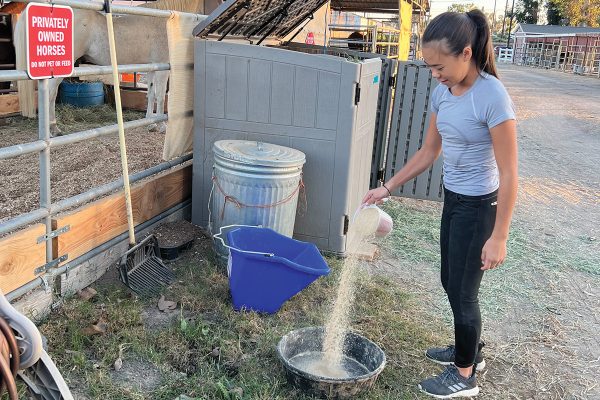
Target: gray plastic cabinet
x=324 y=106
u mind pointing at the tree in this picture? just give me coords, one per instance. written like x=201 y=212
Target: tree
x=495 y=21
x=580 y=12
x=462 y=8
x=498 y=25
x=527 y=11
x=553 y=13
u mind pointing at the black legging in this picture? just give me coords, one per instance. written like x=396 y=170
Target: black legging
x=467 y=223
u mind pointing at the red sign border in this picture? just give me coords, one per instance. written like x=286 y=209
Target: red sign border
x=27 y=39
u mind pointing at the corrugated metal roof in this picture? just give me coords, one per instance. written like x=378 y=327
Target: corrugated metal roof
x=556 y=29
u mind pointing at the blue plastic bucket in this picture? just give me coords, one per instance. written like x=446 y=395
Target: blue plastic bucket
x=266 y=268
x=82 y=94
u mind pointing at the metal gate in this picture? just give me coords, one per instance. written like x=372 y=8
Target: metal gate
x=409 y=121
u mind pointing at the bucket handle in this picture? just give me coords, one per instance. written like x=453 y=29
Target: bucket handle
x=218 y=236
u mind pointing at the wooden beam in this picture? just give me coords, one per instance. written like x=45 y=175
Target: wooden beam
x=132 y=99
x=91 y=270
x=20 y=255
x=36 y=305
x=9 y=104
x=98 y=222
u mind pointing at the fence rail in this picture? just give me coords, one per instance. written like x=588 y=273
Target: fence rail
x=16 y=75
x=99 y=6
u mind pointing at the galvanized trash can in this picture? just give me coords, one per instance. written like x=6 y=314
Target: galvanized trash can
x=254 y=183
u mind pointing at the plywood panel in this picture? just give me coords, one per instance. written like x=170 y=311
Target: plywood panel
x=105 y=219
x=20 y=255
x=9 y=104
x=132 y=99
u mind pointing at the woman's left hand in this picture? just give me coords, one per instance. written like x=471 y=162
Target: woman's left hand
x=493 y=253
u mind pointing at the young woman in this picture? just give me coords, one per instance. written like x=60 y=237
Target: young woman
x=473 y=124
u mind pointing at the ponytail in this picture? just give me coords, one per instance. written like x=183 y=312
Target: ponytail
x=459 y=30
x=483 y=52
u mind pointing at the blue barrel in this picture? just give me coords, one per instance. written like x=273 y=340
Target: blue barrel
x=81 y=94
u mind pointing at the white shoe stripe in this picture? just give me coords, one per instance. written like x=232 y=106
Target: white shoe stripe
x=462 y=385
x=454 y=390
x=465 y=393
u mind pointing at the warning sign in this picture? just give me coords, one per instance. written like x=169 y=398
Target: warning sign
x=310 y=38
x=49 y=41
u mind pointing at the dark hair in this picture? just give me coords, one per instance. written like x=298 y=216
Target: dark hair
x=460 y=30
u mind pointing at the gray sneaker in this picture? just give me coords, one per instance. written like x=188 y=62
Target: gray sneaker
x=450 y=384
x=445 y=356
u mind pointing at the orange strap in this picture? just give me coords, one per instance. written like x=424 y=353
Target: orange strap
x=239 y=204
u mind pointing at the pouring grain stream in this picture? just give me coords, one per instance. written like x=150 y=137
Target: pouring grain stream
x=332 y=362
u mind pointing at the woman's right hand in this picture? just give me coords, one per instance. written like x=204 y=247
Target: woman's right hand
x=375 y=196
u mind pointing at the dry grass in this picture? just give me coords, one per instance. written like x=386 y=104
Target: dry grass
x=206 y=350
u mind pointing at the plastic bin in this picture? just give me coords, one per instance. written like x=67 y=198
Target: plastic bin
x=266 y=268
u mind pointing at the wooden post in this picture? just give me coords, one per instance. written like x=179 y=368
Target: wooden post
x=558 y=54
x=584 y=61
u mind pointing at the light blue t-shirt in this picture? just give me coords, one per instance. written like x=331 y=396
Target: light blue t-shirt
x=464 y=123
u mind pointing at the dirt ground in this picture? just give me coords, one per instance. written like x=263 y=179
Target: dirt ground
x=541 y=311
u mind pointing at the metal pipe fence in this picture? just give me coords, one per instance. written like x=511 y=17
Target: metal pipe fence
x=374 y=39
x=99 y=6
x=45 y=142
x=16 y=75
x=572 y=54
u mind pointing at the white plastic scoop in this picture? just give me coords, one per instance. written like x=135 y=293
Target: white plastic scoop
x=370 y=219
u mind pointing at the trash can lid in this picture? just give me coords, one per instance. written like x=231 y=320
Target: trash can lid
x=258 y=153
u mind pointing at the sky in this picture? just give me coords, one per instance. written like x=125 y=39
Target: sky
x=439 y=6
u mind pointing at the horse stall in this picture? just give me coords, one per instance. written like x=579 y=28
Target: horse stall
x=323 y=105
